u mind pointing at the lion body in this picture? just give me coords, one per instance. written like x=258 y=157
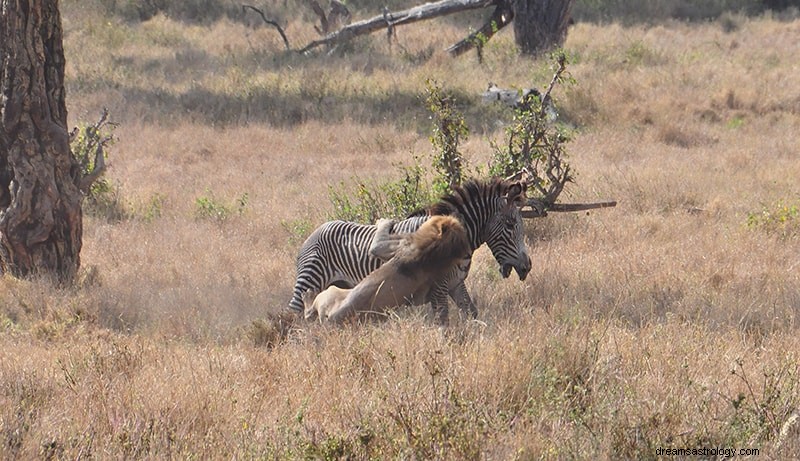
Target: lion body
x=418 y=261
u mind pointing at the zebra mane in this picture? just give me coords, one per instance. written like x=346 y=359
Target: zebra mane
x=455 y=202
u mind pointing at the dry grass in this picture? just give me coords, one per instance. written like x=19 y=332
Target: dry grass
x=668 y=321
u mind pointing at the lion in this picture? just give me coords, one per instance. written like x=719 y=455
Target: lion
x=416 y=262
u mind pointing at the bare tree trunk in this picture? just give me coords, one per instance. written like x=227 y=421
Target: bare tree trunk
x=40 y=203
x=540 y=25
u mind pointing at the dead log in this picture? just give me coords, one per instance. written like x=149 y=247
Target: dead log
x=390 y=20
x=538 y=209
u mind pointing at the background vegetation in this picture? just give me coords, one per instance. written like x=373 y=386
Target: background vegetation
x=668 y=321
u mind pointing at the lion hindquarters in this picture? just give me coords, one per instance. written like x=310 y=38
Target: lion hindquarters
x=324 y=303
x=422 y=260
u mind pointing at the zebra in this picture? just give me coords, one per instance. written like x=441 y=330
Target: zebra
x=337 y=252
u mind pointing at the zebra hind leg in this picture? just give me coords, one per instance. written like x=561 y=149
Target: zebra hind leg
x=309 y=284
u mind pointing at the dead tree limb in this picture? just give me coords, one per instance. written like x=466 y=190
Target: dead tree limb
x=270 y=22
x=323 y=28
x=502 y=16
x=540 y=210
x=390 y=20
x=561 y=207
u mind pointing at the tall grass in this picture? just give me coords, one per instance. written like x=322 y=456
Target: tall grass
x=668 y=321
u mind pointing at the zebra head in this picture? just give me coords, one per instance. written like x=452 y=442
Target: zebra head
x=504 y=232
x=490 y=211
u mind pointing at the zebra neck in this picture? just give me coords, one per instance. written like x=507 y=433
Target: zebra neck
x=475 y=229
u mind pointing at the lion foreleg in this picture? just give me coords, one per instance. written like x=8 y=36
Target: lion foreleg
x=385 y=244
x=309 y=296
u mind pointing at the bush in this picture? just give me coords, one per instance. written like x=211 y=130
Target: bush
x=781 y=218
x=534 y=144
x=209 y=207
x=394 y=199
x=449 y=129
x=534 y=141
x=89 y=144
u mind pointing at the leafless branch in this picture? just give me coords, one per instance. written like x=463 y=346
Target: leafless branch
x=502 y=16
x=99 y=167
x=270 y=22
x=562 y=66
x=323 y=18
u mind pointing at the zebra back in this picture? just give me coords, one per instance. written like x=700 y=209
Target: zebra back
x=337 y=253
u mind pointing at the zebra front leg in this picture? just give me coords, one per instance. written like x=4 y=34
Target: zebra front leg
x=440 y=304
x=463 y=300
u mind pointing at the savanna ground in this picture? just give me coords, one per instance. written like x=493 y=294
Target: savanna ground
x=669 y=321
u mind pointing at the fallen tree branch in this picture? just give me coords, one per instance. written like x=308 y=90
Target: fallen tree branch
x=389 y=20
x=539 y=209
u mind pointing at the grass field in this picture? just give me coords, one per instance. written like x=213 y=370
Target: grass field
x=669 y=321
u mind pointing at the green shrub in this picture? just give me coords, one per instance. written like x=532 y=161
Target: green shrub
x=394 y=199
x=534 y=144
x=781 y=218
x=534 y=141
x=449 y=129
x=89 y=144
x=209 y=207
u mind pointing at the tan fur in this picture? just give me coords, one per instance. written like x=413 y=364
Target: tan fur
x=421 y=260
x=325 y=302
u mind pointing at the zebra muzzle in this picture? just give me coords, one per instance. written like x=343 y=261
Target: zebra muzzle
x=521 y=269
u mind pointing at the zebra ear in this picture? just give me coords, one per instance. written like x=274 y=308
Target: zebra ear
x=515 y=195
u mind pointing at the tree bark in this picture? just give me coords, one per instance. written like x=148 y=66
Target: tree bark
x=40 y=203
x=540 y=25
